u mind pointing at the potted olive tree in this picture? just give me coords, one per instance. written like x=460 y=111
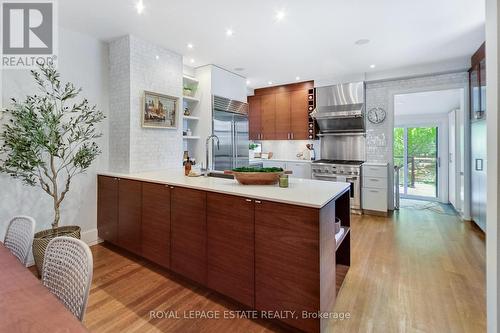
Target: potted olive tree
x=46 y=140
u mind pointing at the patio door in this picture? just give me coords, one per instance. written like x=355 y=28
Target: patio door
x=416 y=152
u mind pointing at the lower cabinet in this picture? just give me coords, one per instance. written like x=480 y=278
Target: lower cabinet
x=287 y=268
x=107 y=209
x=155 y=228
x=129 y=215
x=188 y=233
x=230 y=244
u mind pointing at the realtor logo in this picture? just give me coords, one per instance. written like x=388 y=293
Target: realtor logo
x=28 y=30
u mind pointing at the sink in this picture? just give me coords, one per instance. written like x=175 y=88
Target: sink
x=220 y=175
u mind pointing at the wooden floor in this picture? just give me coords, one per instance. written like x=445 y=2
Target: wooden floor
x=421 y=270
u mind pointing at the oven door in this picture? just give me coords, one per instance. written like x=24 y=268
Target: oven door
x=355 y=187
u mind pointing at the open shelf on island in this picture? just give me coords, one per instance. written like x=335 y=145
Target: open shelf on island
x=342 y=238
x=192 y=137
x=191 y=117
x=190 y=99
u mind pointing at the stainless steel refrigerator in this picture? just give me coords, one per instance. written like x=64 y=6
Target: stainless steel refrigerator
x=230 y=124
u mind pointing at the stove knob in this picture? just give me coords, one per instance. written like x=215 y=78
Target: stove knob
x=341 y=171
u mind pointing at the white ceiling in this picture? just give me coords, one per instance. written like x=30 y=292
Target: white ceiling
x=427 y=103
x=315 y=40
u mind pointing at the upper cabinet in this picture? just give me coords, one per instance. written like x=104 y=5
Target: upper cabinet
x=477 y=79
x=281 y=113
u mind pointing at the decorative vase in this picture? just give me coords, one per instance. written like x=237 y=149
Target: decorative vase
x=42 y=239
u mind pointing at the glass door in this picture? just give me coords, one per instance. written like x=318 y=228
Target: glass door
x=416 y=152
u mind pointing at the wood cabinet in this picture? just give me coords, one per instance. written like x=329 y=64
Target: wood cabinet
x=287 y=268
x=282 y=121
x=268 y=117
x=283 y=110
x=254 y=118
x=155 y=229
x=267 y=256
x=188 y=238
x=230 y=246
x=107 y=208
x=129 y=215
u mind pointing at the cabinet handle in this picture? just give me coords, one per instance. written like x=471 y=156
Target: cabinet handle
x=248 y=200
x=374 y=179
x=171 y=187
x=291 y=134
x=258 y=201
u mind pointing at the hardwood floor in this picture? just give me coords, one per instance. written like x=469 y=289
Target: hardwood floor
x=417 y=271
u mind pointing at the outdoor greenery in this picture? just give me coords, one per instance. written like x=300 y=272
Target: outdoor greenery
x=422 y=145
x=50 y=137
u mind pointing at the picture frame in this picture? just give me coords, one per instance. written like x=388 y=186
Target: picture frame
x=159 y=111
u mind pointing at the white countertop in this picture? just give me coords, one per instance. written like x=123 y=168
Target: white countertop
x=278 y=160
x=301 y=192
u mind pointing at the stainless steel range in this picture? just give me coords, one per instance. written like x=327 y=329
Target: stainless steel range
x=341 y=171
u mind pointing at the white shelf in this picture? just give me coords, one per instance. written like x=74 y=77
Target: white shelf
x=191 y=117
x=190 y=79
x=191 y=137
x=190 y=99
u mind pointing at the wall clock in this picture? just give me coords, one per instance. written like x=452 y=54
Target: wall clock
x=376 y=115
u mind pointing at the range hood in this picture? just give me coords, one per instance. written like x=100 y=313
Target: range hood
x=340 y=108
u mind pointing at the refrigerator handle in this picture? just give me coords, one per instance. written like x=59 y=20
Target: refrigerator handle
x=233 y=139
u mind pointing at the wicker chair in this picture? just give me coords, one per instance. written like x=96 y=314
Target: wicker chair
x=67 y=272
x=19 y=237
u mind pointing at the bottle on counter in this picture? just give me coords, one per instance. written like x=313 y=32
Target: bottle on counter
x=187 y=167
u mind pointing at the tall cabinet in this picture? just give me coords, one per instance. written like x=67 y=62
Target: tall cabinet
x=478 y=114
x=282 y=112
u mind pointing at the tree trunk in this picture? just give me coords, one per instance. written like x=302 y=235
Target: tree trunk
x=57 y=214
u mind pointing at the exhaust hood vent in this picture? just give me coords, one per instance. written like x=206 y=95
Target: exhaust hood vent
x=340 y=108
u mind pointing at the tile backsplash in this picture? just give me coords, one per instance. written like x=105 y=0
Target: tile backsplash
x=288 y=149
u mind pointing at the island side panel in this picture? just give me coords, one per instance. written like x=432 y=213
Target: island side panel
x=287 y=272
x=327 y=260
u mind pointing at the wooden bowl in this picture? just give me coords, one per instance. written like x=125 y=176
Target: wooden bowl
x=257 y=178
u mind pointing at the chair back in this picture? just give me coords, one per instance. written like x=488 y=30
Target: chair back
x=67 y=272
x=19 y=237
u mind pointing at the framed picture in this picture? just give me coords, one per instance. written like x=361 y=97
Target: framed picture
x=160 y=111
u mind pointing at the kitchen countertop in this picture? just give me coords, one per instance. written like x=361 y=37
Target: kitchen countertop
x=301 y=192
x=278 y=160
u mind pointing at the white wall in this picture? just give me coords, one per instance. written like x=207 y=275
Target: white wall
x=134 y=68
x=83 y=61
x=379 y=137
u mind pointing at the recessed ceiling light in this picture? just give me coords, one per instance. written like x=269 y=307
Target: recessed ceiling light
x=157 y=57
x=190 y=46
x=280 y=15
x=248 y=81
x=191 y=60
x=362 y=41
x=139 y=6
x=270 y=82
x=229 y=32
x=372 y=66
x=297 y=78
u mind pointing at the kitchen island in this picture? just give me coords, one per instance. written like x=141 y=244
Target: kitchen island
x=270 y=249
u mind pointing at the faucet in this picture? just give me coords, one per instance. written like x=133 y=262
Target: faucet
x=213 y=136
